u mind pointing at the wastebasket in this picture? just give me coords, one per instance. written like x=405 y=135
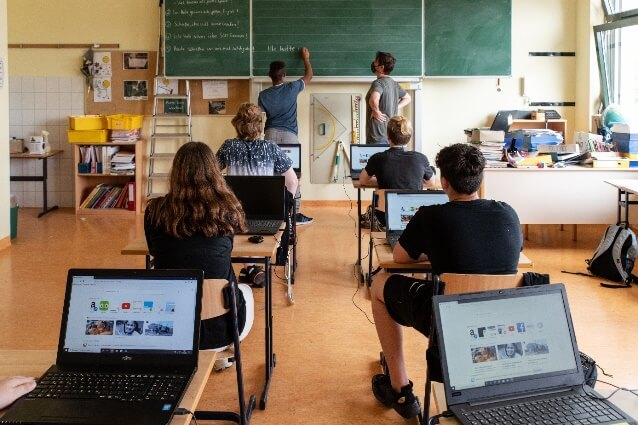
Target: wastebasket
x=13 y=202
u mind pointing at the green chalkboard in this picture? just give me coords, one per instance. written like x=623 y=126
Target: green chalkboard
x=468 y=38
x=206 y=38
x=342 y=35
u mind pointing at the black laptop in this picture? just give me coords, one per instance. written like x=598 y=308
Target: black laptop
x=264 y=201
x=359 y=155
x=401 y=205
x=293 y=151
x=512 y=354
x=128 y=349
x=503 y=119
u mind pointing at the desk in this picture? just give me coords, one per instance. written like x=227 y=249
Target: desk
x=571 y=195
x=625 y=187
x=41 y=178
x=359 y=187
x=36 y=362
x=386 y=260
x=243 y=252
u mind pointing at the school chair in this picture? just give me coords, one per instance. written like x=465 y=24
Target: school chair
x=219 y=298
x=454 y=283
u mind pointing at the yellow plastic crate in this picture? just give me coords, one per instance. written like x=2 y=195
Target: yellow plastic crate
x=124 y=121
x=87 y=122
x=87 y=136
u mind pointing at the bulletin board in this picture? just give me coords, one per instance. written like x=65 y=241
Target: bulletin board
x=238 y=91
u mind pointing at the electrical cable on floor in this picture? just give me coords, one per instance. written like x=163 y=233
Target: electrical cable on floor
x=355 y=304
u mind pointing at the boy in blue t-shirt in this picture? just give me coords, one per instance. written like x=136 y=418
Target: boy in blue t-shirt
x=279 y=102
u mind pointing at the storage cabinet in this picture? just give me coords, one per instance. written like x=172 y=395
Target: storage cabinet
x=86 y=182
x=559 y=126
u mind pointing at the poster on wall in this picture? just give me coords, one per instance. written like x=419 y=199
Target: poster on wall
x=102 y=65
x=102 y=90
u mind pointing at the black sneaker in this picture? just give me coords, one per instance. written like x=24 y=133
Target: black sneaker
x=253 y=276
x=404 y=403
x=301 y=219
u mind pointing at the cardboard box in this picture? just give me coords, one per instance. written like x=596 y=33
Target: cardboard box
x=16 y=146
x=484 y=135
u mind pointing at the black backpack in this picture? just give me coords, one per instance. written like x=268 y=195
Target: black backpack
x=614 y=258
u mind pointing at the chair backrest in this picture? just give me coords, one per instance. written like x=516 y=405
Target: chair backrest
x=213 y=298
x=379 y=196
x=457 y=283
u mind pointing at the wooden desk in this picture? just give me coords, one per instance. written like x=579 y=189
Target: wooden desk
x=36 y=362
x=243 y=252
x=625 y=188
x=41 y=178
x=386 y=261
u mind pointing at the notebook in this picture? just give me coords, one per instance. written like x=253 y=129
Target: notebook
x=401 y=205
x=293 y=151
x=264 y=201
x=359 y=155
x=138 y=324
x=499 y=349
x=503 y=119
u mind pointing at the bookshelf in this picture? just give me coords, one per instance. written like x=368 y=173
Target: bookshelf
x=86 y=182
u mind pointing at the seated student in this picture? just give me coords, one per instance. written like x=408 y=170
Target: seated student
x=250 y=155
x=192 y=227
x=397 y=168
x=13 y=388
x=465 y=235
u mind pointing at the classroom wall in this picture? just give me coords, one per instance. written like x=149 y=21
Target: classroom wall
x=4 y=132
x=448 y=105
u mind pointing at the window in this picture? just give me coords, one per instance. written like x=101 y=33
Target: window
x=616 y=42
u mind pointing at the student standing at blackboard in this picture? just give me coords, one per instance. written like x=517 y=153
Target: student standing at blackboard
x=279 y=102
x=384 y=99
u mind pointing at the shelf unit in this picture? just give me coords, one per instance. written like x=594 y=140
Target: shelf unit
x=85 y=182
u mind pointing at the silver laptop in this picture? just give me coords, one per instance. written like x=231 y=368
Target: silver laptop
x=401 y=205
x=293 y=151
x=359 y=155
x=508 y=352
x=128 y=349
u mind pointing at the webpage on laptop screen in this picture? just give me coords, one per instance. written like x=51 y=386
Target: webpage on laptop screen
x=505 y=340
x=120 y=315
x=293 y=153
x=361 y=155
x=401 y=207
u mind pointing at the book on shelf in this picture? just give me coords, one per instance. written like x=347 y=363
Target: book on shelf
x=106 y=196
x=129 y=136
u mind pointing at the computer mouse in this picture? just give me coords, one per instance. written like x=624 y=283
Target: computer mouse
x=256 y=239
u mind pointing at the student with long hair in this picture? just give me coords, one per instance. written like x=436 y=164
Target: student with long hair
x=193 y=225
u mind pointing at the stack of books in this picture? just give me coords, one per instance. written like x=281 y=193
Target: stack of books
x=125 y=136
x=493 y=153
x=107 y=196
x=123 y=162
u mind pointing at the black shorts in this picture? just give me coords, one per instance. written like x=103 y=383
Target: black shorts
x=409 y=302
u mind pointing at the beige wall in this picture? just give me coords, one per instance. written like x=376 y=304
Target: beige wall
x=446 y=105
x=4 y=130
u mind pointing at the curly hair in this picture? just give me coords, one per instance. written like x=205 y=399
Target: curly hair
x=199 y=200
x=277 y=71
x=399 y=130
x=248 y=121
x=462 y=166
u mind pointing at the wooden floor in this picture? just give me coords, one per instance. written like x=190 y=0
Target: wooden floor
x=326 y=346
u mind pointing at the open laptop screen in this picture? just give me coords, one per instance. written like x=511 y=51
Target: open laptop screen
x=261 y=197
x=360 y=153
x=502 y=342
x=400 y=206
x=144 y=313
x=293 y=151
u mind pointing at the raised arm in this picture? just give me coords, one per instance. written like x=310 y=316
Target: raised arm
x=305 y=55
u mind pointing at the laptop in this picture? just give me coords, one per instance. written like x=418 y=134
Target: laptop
x=503 y=119
x=263 y=199
x=500 y=350
x=359 y=155
x=293 y=151
x=141 y=326
x=401 y=205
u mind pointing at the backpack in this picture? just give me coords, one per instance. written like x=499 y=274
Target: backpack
x=614 y=258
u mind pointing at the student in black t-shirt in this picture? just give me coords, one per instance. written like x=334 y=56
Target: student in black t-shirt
x=397 y=168
x=465 y=235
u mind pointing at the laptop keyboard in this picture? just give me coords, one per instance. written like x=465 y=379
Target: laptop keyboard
x=113 y=386
x=260 y=226
x=572 y=409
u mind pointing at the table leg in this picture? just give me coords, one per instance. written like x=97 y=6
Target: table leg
x=270 y=356
x=358 y=266
x=45 y=208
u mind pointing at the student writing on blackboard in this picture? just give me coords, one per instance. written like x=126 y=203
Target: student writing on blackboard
x=384 y=99
x=279 y=102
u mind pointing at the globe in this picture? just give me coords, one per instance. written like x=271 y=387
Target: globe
x=613 y=115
